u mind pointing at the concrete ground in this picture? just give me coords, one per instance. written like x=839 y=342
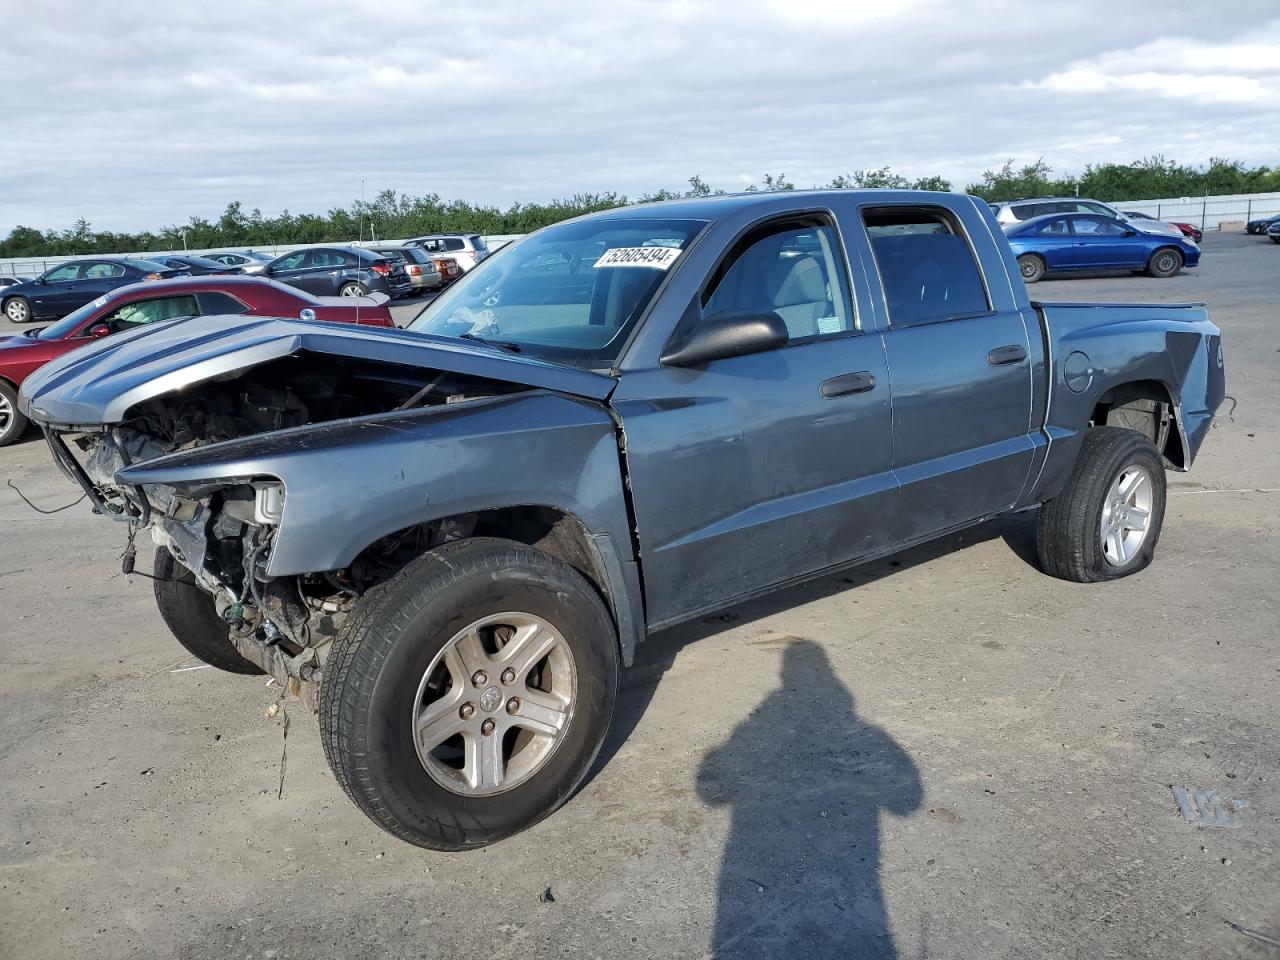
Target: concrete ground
x=945 y=754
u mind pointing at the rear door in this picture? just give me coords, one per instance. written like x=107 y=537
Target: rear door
x=754 y=470
x=959 y=367
x=1055 y=243
x=97 y=278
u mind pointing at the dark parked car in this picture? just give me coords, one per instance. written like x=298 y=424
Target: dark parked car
x=195 y=266
x=63 y=288
x=422 y=270
x=1273 y=231
x=1188 y=229
x=249 y=261
x=449 y=538
x=1085 y=241
x=143 y=303
x=339 y=271
x=1262 y=224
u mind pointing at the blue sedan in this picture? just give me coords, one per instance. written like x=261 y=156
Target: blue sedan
x=1059 y=243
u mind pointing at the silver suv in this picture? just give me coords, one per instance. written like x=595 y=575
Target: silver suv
x=1015 y=211
x=468 y=249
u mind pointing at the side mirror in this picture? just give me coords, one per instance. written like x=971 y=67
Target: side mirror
x=40 y=280
x=99 y=330
x=729 y=334
x=1130 y=232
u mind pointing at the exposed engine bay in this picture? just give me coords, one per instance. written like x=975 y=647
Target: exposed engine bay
x=222 y=532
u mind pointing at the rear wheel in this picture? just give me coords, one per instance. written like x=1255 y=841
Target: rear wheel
x=189 y=614
x=17 y=310
x=1165 y=262
x=1031 y=267
x=352 y=290
x=12 y=423
x=1106 y=521
x=465 y=698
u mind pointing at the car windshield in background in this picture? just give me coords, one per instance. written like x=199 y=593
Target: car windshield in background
x=570 y=293
x=146 y=266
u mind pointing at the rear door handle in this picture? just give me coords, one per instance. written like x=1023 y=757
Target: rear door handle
x=848 y=383
x=1013 y=353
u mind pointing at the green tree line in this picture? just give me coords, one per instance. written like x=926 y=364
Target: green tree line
x=396 y=215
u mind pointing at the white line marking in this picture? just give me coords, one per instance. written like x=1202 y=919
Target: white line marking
x=203 y=666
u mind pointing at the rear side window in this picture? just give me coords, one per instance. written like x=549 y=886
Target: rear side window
x=454 y=243
x=1057 y=227
x=1025 y=211
x=104 y=271
x=790 y=269
x=926 y=265
x=216 y=302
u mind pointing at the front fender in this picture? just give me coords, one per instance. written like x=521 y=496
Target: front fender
x=349 y=483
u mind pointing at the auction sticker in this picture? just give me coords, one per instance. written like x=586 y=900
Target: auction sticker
x=659 y=257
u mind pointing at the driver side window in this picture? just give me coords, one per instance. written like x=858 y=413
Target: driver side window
x=70 y=271
x=141 y=312
x=793 y=271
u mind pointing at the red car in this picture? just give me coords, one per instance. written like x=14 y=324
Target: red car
x=142 y=303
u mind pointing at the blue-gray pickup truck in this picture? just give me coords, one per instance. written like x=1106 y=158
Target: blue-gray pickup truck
x=448 y=539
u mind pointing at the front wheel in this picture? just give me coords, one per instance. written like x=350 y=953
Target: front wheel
x=189 y=614
x=1164 y=263
x=1031 y=267
x=466 y=698
x=1275 y=239
x=1106 y=521
x=352 y=290
x=17 y=310
x=12 y=423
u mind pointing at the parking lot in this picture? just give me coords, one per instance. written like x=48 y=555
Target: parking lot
x=943 y=754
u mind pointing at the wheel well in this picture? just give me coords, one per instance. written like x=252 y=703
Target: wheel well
x=553 y=531
x=1145 y=406
x=550 y=530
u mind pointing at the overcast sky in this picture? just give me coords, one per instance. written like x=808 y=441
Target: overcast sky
x=137 y=115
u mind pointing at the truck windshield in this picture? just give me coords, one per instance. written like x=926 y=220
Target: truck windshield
x=570 y=293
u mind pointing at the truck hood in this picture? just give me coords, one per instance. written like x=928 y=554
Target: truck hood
x=100 y=383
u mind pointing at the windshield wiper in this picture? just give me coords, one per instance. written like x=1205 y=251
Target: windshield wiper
x=501 y=344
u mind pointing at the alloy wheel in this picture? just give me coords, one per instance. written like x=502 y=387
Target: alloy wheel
x=494 y=704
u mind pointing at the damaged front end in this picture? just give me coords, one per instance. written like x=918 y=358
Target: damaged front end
x=251 y=478
x=223 y=530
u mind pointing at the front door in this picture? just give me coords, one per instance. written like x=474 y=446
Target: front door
x=750 y=471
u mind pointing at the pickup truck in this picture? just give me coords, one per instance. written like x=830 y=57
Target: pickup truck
x=448 y=539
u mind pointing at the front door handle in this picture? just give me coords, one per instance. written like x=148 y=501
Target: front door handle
x=848 y=383
x=1013 y=353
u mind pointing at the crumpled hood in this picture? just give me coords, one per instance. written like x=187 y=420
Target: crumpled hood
x=99 y=383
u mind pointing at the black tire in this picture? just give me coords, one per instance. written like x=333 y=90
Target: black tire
x=1274 y=239
x=1164 y=263
x=352 y=289
x=18 y=310
x=189 y=614
x=385 y=648
x=12 y=423
x=1031 y=266
x=1068 y=530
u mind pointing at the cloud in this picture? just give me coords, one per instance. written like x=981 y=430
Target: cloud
x=138 y=121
